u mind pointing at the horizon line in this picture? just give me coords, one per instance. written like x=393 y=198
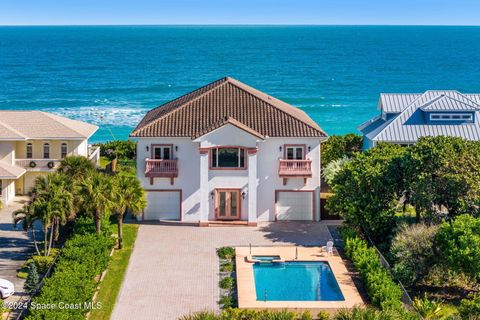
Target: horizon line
x=239 y=25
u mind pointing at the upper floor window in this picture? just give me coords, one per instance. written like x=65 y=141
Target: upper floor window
x=46 y=151
x=63 y=150
x=29 y=151
x=162 y=152
x=467 y=117
x=228 y=158
x=294 y=152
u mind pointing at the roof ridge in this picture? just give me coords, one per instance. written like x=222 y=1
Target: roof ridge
x=257 y=94
x=222 y=81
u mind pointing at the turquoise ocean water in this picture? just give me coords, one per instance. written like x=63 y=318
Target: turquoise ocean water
x=112 y=75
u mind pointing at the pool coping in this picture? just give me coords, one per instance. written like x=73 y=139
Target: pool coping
x=247 y=297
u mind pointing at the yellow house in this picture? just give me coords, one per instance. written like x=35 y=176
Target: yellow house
x=33 y=143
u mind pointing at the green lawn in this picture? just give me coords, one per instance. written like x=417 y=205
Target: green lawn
x=110 y=286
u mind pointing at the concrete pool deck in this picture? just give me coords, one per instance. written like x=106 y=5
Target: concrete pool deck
x=246 y=283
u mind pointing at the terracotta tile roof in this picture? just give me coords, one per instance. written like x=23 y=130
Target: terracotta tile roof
x=226 y=101
x=23 y=125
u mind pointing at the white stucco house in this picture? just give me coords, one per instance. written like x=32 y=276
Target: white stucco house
x=404 y=118
x=33 y=143
x=228 y=152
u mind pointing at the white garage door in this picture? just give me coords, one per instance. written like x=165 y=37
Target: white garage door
x=162 y=205
x=294 y=205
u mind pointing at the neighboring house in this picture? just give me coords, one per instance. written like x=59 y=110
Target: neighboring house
x=33 y=143
x=227 y=151
x=404 y=118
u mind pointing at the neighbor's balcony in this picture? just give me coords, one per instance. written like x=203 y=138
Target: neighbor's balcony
x=38 y=164
x=295 y=168
x=159 y=168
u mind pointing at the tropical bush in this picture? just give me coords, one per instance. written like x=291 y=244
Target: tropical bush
x=226 y=267
x=33 y=279
x=382 y=290
x=333 y=168
x=459 y=245
x=226 y=252
x=413 y=251
x=338 y=147
x=323 y=315
x=83 y=257
x=122 y=149
x=358 y=313
x=368 y=189
x=470 y=308
x=226 y=283
x=428 y=309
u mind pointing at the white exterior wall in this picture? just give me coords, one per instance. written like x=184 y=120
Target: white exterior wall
x=259 y=181
x=7 y=151
x=8 y=190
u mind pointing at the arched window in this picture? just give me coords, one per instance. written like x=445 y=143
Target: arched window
x=29 y=151
x=63 y=150
x=46 y=151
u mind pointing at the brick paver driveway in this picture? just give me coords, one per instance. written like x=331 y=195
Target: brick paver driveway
x=173 y=270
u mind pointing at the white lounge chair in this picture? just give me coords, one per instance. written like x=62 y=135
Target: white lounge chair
x=328 y=248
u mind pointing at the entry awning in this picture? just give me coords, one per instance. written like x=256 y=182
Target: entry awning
x=9 y=171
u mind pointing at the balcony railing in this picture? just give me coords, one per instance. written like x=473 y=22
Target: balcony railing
x=295 y=168
x=160 y=168
x=38 y=164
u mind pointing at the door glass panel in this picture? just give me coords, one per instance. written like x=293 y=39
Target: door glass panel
x=289 y=153
x=222 y=204
x=299 y=153
x=166 y=153
x=157 y=153
x=233 y=204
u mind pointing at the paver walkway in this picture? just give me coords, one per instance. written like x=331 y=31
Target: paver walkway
x=173 y=270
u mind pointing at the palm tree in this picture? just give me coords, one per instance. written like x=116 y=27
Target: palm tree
x=52 y=203
x=129 y=195
x=96 y=195
x=26 y=215
x=76 y=166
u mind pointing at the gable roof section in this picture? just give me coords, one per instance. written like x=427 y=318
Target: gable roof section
x=8 y=171
x=406 y=127
x=396 y=102
x=226 y=100
x=23 y=125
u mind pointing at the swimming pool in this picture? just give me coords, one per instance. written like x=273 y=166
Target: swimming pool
x=296 y=281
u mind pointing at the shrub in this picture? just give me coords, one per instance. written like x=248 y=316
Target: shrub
x=245 y=314
x=226 y=283
x=306 y=315
x=226 y=252
x=33 y=279
x=470 y=308
x=123 y=149
x=382 y=290
x=42 y=263
x=337 y=147
x=83 y=257
x=459 y=244
x=323 y=315
x=227 y=302
x=332 y=169
x=358 y=313
x=428 y=309
x=226 y=267
x=204 y=315
x=412 y=248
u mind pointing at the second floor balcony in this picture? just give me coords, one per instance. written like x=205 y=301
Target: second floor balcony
x=38 y=164
x=295 y=168
x=161 y=168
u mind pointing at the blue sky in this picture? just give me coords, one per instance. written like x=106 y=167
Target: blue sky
x=77 y=12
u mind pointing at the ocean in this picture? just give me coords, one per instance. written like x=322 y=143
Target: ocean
x=112 y=75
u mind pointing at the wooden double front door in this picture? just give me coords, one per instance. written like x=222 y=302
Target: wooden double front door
x=227 y=204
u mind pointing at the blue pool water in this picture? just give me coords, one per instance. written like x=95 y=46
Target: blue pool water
x=112 y=75
x=296 y=281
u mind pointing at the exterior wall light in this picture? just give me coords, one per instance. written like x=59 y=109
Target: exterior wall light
x=280 y=148
x=176 y=148
x=244 y=194
x=309 y=148
x=148 y=148
x=212 y=194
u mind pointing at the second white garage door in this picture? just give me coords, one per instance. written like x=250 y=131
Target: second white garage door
x=162 y=205
x=294 y=205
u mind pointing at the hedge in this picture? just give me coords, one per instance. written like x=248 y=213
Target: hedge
x=381 y=288
x=68 y=292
